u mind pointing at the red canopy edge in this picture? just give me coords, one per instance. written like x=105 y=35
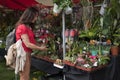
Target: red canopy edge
x=18 y=4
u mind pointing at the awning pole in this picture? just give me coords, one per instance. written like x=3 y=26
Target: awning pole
x=63 y=33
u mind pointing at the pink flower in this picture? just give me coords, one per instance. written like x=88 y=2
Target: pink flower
x=93 y=57
x=67 y=33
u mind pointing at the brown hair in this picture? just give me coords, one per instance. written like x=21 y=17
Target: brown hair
x=28 y=16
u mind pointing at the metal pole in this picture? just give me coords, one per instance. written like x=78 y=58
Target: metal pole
x=63 y=30
x=63 y=33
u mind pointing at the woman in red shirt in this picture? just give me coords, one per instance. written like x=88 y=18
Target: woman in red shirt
x=24 y=32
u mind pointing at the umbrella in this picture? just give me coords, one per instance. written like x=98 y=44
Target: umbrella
x=45 y=2
x=18 y=4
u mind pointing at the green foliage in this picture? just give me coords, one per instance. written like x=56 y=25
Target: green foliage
x=54 y=57
x=86 y=2
x=7 y=22
x=51 y=46
x=73 y=49
x=103 y=60
x=91 y=33
x=111 y=22
x=2 y=45
x=62 y=3
x=4 y=72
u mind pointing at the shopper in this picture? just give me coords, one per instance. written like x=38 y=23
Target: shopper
x=24 y=31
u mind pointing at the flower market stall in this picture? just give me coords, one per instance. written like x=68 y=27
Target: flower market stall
x=85 y=40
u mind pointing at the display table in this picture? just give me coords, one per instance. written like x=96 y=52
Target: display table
x=113 y=69
x=72 y=73
x=109 y=72
x=44 y=65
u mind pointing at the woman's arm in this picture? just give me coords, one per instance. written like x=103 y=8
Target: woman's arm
x=26 y=41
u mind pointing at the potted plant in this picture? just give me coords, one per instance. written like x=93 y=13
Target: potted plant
x=62 y=5
x=103 y=59
x=93 y=49
x=111 y=25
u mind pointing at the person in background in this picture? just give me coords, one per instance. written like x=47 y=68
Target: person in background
x=24 y=31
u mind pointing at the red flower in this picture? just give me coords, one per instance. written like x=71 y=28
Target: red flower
x=42 y=37
x=46 y=36
x=72 y=32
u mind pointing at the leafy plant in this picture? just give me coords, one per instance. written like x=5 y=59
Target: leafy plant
x=73 y=51
x=51 y=46
x=103 y=59
x=111 y=22
x=91 y=33
x=86 y=2
x=62 y=3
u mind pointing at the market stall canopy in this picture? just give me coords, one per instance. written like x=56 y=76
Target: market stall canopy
x=46 y=2
x=18 y=4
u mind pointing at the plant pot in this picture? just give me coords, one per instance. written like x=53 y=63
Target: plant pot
x=68 y=10
x=114 y=50
x=94 y=52
x=105 y=52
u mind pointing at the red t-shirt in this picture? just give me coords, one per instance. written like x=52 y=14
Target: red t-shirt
x=23 y=29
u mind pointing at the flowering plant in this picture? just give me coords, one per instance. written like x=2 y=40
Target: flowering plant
x=61 y=5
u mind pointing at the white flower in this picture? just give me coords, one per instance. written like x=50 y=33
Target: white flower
x=56 y=9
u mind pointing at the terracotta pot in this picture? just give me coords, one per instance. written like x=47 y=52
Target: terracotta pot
x=114 y=50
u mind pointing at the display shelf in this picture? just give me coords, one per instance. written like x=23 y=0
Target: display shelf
x=84 y=68
x=58 y=66
x=46 y=58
